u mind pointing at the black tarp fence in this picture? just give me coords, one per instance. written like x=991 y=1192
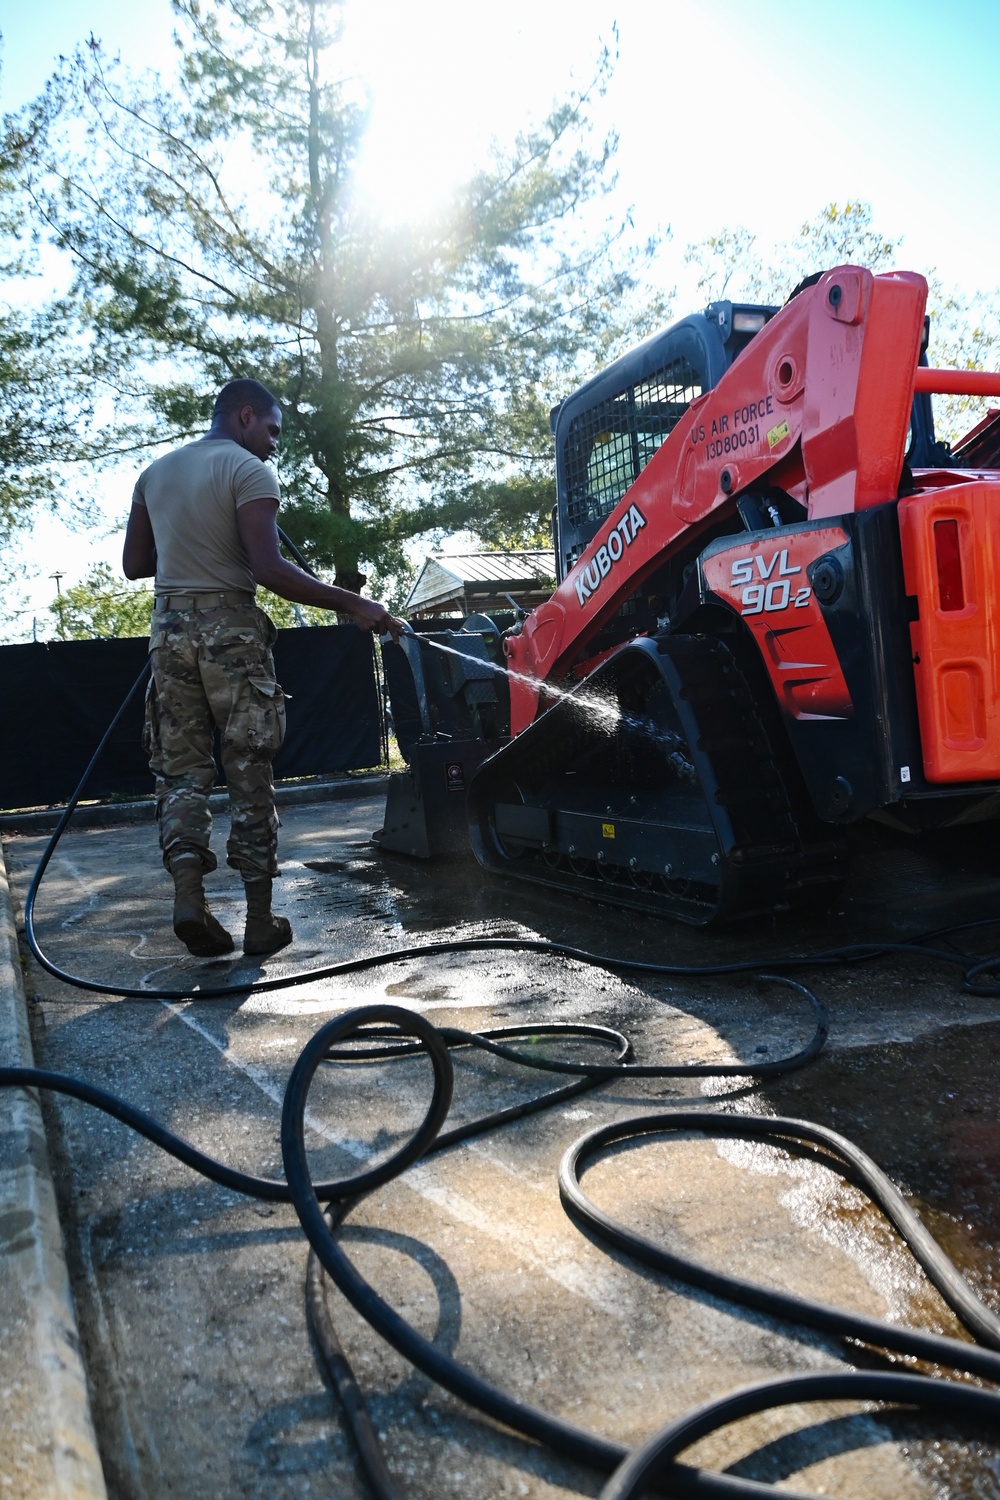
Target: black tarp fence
x=60 y=697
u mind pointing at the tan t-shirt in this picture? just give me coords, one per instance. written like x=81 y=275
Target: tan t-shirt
x=192 y=496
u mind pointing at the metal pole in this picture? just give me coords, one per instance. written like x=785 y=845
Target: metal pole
x=60 y=605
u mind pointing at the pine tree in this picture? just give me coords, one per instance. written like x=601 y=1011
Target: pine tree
x=44 y=404
x=216 y=232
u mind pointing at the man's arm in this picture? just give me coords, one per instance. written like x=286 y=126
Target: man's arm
x=139 y=552
x=258 y=527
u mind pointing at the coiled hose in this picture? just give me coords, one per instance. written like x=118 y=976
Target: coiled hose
x=321 y=1207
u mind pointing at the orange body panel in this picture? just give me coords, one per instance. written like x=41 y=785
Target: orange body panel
x=951 y=561
x=819 y=402
x=789 y=628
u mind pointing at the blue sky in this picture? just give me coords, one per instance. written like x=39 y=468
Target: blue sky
x=729 y=112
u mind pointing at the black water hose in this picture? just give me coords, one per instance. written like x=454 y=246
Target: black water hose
x=576 y=1443
x=391 y=1031
x=841 y=1155
x=388 y=1029
x=290 y=546
x=342 y=1378
x=937 y=1398
x=385 y=1043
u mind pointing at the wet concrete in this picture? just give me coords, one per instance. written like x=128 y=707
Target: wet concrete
x=190 y=1298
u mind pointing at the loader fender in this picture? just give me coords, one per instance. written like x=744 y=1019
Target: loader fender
x=765 y=579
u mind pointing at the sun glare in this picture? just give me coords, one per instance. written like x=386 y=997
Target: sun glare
x=444 y=79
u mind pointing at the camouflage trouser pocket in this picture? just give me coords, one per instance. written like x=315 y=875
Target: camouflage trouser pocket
x=151 y=718
x=265 y=715
x=269 y=630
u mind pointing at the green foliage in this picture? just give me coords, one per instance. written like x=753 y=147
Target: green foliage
x=963 y=333
x=732 y=264
x=216 y=233
x=42 y=408
x=393 y=585
x=284 y=614
x=104 y=605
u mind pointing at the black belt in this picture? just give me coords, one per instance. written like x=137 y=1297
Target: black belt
x=212 y=600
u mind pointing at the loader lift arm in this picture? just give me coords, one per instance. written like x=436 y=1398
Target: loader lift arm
x=817 y=406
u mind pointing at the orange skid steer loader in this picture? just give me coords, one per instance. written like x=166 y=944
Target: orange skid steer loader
x=777 y=612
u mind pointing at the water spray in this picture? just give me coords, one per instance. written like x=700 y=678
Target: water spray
x=609 y=715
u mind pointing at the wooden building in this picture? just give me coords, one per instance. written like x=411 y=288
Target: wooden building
x=466 y=583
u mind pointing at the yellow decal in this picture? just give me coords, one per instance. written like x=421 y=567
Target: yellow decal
x=608 y=830
x=777 y=434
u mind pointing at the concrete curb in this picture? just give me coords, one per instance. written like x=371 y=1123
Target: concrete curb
x=110 y=814
x=49 y=1447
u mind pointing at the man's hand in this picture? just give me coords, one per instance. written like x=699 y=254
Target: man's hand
x=369 y=615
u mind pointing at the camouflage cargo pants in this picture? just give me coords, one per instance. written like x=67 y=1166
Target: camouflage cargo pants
x=213 y=668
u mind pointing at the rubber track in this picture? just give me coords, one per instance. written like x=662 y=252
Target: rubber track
x=780 y=850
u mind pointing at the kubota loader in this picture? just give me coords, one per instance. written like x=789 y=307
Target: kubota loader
x=777 y=612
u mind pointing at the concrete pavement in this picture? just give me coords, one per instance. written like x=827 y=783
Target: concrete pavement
x=190 y=1299
x=48 y=1445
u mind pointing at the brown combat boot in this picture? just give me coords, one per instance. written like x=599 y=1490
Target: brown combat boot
x=264 y=932
x=194 y=924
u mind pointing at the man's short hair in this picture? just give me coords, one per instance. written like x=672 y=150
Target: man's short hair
x=240 y=393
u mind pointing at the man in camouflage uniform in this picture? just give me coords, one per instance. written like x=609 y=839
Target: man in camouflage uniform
x=203 y=523
x=216 y=659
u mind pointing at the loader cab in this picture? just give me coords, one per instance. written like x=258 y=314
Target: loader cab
x=608 y=430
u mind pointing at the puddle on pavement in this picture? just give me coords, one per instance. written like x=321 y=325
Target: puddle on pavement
x=929 y=1114
x=899 y=886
